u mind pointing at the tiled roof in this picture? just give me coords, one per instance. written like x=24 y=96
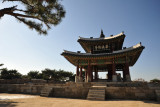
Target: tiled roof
x=101 y=39
x=103 y=54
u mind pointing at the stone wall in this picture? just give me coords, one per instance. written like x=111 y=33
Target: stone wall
x=23 y=81
x=21 y=88
x=72 y=90
x=119 y=90
x=133 y=93
x=127 y=90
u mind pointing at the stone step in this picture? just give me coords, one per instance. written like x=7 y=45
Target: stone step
x=97 y=91
x=96 y=94
x=46 y=91
x=92 y=95
x=97 y=88
x=99 y=85
x=101 y=94
x=95 y=98
x=44 y=95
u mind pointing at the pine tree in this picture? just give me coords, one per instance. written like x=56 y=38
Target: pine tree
x=36 y=14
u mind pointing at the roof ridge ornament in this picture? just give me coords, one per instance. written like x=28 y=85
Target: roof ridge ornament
x=101 y=31
x=102 y=35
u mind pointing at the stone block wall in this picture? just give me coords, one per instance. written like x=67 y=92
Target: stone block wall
x=113 y=90
x=72 y=90
x=133 y=93
x=21 y=88
x=23 y=81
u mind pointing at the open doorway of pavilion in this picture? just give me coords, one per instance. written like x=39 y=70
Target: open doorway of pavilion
x=104 y=77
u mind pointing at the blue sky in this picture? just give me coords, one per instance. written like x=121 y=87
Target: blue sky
x=25 y=50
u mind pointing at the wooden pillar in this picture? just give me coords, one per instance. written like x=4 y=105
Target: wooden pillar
x=111 y=47
x=109 y=74
x=86 y=75
x=77 y=73
x=124 y=73
x=113 y=69
x=89 y=72
x=128 y=78
x=81 y=71
x=114 y=76
x=127 y=68
x=96 y=73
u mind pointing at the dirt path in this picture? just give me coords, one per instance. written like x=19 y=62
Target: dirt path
x=38 y=101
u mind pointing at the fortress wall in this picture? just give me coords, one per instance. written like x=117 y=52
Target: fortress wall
x=21 y=88
x=80 y=90
x=23 y=81
x=133 y=93
x=72 y=90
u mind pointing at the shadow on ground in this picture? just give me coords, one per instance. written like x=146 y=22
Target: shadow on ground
x=7 y=104
x=153 y=102
x=145 y=101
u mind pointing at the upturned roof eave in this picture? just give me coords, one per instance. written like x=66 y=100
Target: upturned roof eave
x=82 y=39
x=125 y=52
x=85 y=41
x=103 y=54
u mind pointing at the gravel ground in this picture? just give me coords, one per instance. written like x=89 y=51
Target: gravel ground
x=21 y=100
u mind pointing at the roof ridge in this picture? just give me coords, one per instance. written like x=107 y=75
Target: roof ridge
x=122 y=33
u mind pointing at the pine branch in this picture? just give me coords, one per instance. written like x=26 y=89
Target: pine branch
x=33 y=25
x=49 y=14
x=7 y=10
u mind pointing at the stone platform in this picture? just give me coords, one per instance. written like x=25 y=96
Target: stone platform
x=113 y=90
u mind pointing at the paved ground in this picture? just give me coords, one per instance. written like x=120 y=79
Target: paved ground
x=21 y=100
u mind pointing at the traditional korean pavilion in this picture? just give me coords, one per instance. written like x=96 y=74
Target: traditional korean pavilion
x=104 y=54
